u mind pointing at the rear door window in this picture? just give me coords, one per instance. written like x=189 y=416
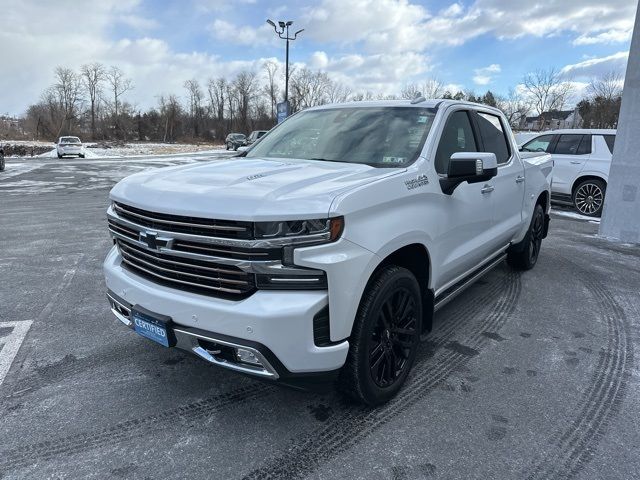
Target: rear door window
x=611 y=141
x=493 y=136
x=568 y=144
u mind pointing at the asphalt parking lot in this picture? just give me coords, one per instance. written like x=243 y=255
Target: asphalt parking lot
x=530 y=375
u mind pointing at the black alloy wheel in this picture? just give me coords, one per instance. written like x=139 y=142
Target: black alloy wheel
x=385 y=337
x=393 y=338
x=536 y=235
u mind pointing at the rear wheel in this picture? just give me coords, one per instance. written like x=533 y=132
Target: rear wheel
x=1 y=162
x=59 y=156
x=588 y=197
x=385 y=337
x=524 y=255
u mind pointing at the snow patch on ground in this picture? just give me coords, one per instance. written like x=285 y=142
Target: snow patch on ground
x=13 y=169
x=575 y=216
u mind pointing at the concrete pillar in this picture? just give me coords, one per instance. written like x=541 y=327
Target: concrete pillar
x=621 y=214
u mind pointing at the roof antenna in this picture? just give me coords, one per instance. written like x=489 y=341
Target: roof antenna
x=418 y=98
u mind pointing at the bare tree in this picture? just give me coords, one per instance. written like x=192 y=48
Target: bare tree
x=430 y=88
x=195 y=104
x=514 y=106
x=309 y=88
x=271 y=87
x=68 y=90
x=217 y=88
x=433 y=88
x=608 y=87
x=410 y=91
x=337 y=92
x=244 y=86
x=119 y=85
x=548 y=90
x=170 y=111
x=93 y=75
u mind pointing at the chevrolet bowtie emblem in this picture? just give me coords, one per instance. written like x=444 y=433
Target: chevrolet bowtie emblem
x=153 y=241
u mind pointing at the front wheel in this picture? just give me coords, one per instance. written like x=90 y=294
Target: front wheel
x=524 y=255
x=588 y=197
x=385 y=337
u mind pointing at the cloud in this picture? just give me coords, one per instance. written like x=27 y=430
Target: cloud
x=597 y=66
x=244 y=34
x=609 y=36
x=485 y=75
x=398 y=25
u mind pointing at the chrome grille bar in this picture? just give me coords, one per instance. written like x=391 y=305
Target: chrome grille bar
x=209 y=226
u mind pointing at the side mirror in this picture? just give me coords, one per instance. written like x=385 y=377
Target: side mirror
x=470 y=167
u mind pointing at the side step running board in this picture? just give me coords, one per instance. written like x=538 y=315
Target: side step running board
x=453 y=291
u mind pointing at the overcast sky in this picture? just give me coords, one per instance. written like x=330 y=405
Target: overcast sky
x=375 y=45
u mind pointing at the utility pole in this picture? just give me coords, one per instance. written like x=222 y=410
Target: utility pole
x=282 y=30
x=620 y=217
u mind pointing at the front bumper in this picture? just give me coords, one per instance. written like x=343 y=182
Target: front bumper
x=278 y=325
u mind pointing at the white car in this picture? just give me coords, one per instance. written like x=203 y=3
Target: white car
x=69 y=146
x=322 y=254
x=582 y=158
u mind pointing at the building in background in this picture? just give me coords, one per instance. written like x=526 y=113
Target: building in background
x=552 y=120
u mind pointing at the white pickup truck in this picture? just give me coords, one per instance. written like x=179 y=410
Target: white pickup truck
x=322 y=254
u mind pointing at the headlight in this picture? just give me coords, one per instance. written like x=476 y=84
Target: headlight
x=322 y=230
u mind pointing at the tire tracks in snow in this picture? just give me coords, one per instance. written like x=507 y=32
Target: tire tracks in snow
x=602 y=399
x=352 y=425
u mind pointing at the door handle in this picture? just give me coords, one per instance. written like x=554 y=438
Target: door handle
x=574 y=162
x=487 y=188
x=519 y=179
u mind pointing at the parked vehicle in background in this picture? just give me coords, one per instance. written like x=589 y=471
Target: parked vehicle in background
x=255 y=135
x=69 y=146
x=582 y=158
x=1 y=158
x=322 y=254
x=524 y=137
x=235 y=140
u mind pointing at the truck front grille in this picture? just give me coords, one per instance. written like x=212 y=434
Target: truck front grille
x=181 y=224
x=199 y=276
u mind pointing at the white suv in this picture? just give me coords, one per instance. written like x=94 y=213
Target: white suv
x=581 y=165
x=69 y=146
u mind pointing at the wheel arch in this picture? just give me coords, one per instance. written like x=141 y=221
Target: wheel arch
x=416 y=258
x=584 y=177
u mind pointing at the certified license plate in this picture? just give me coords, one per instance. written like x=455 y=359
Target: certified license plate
x=152 y=327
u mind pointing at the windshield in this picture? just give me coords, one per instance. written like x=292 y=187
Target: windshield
x=69 y=140
x=238 y=136
x=380 y=137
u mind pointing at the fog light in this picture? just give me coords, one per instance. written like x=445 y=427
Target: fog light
x=247 y=356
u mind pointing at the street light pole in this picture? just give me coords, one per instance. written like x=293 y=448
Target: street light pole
x=283 y=33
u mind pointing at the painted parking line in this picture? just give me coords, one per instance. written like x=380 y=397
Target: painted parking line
x=10 y=344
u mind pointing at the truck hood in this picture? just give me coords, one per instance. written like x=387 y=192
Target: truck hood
x=251 y=189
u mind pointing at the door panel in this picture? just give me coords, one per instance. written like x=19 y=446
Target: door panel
x=508 y=185
x=570 y=154
x=464 y=229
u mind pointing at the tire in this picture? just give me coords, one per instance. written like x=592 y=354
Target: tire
x=379 y=340
x=588 y=197
x=2 y=163
x=235 y=148
x=227 y=146
x=81 y=156
x=59 y=156
x=524 y=255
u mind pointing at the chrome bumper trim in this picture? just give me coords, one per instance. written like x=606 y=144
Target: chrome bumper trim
x=189 y=341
